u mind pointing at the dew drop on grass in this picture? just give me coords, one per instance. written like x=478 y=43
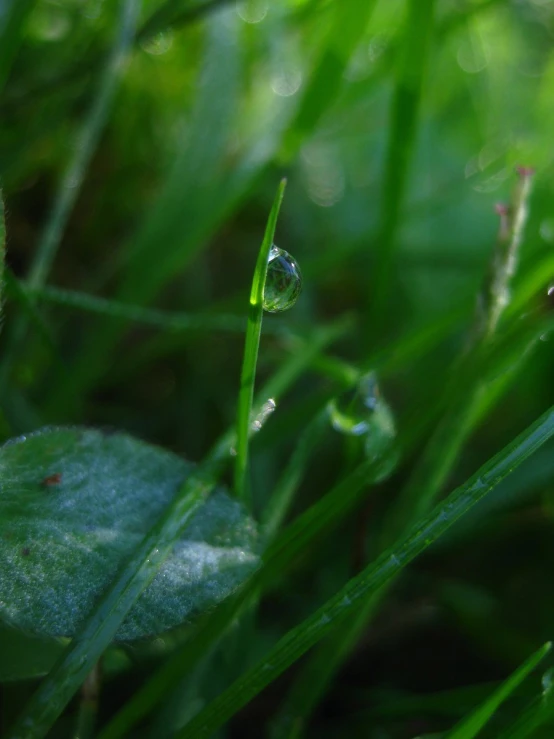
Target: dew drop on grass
x=265 y=412
x=158 y=44
x=352 y=412
x=283 y=281
x=362 y=411
x=548 y=683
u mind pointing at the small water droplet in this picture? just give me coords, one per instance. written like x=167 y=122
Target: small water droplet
x=252 y=11
x=546 y=230
x=283 y=282
x=266 y=410
x=362 y=411
x=547 y=682
x=158 y=44
x=352 y=411
x=286 y=81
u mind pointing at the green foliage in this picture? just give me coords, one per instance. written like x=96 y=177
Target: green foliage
x=141 y=144
x=75 y=503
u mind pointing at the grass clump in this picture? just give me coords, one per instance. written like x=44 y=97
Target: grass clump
x=384 y=448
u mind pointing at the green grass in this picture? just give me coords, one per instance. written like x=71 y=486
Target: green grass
x=141 y=146
x=251 y=348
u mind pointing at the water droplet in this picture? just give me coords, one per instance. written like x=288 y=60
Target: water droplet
x=286 y=81
x=283 y=282
x=266 y=410
x=547 y=682
x=159 y=43
x=252 y=11
x=362 y=411
x=352 y=412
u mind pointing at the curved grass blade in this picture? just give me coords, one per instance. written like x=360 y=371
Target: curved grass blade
x=539 y=712
x=328 y=511
x=300 y=639
x=472 y=725
x=404 y=114
x=75 y=173
x=251 y=346
x=168 y=321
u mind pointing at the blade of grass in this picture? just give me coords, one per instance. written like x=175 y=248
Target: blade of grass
x=539 y=712
x=349 y=24
x=464 y=397
x=297 y=641
x=329 y=511
x=472 y=724
x=85 y=145
x=404 y=115
x=251 y=346
x=15 y=17
x=169 y=321
x=317 y=673
x=16 y=291
x=281 y=498
x=74 y=175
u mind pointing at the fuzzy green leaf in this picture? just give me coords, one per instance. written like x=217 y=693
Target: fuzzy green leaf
x=75 y=503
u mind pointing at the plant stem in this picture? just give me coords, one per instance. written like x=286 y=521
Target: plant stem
x=252 y=343
x=88 y=708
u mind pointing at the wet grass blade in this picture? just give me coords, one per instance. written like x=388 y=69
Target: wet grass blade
x=538 y=713
x=329 y=511
x=299 y=640
x=165 y=320
x=251 y=346
x=404 y=115
x=472 y=725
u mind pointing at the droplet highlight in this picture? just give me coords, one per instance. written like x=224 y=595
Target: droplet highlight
x=363 y=412
x=283 y=282
x=265 y=412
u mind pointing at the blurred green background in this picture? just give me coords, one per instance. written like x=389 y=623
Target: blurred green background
x=399 y=126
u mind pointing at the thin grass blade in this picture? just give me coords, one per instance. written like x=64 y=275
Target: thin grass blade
x=472 y=725
x=329 y=511
x=251 y=346
x=404 y=115
x=300 y=639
